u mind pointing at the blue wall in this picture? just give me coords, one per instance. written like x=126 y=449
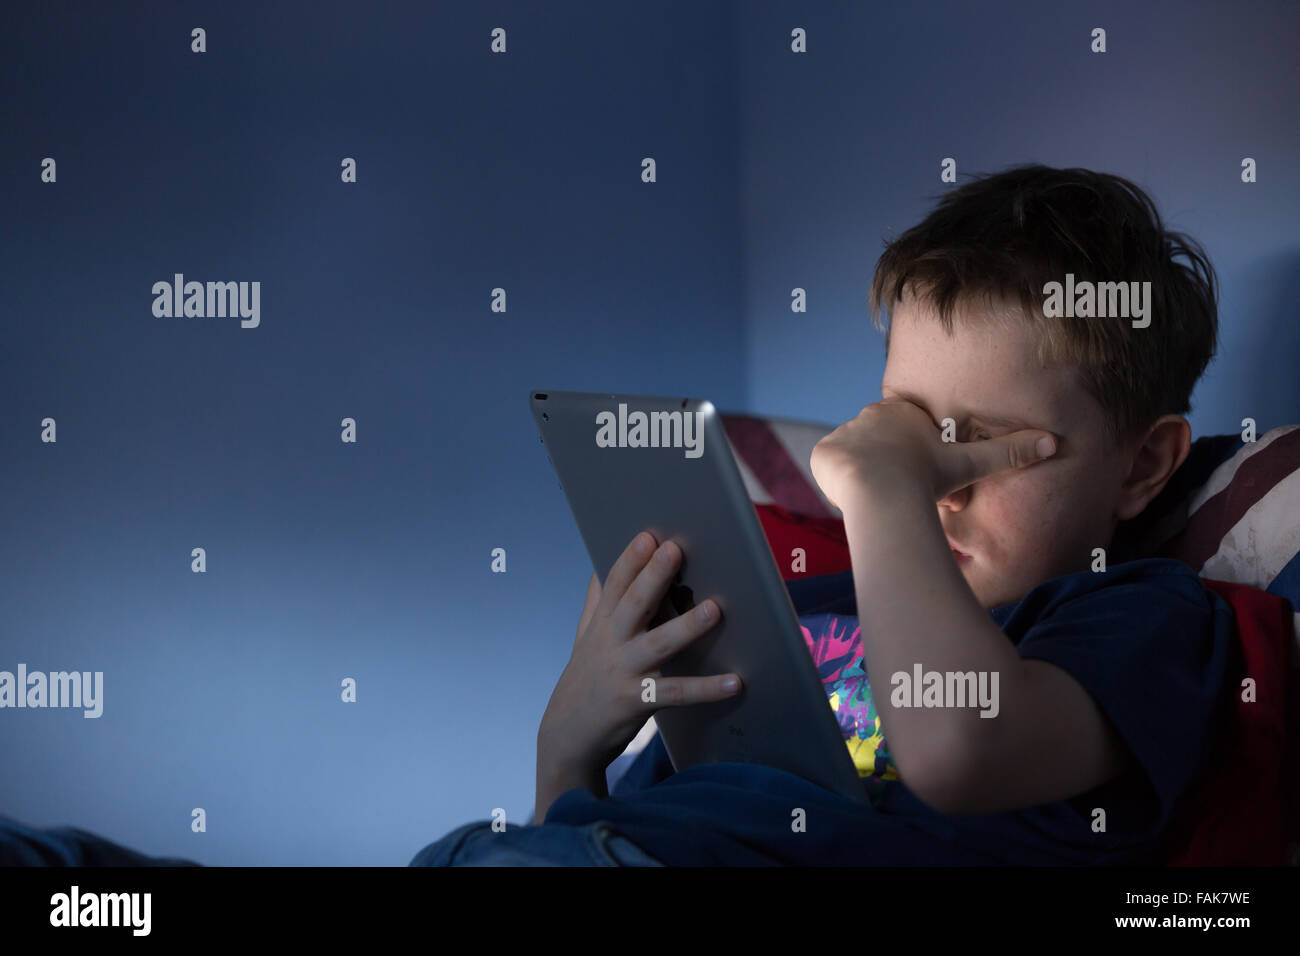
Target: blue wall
x=372 y=560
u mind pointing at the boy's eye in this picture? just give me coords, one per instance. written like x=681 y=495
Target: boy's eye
x=981 y=435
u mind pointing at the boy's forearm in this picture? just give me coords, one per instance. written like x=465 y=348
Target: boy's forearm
x=915 y=607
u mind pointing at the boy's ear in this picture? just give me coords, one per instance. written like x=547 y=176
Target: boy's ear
x=1156 y=456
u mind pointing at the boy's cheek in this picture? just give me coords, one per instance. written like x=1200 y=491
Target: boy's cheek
x=1018 y=498
x=1050 y=492
x=1025 y=517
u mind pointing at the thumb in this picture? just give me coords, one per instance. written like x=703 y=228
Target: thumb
x=1017 y=450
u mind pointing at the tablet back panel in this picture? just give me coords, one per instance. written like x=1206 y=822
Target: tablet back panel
x=689 y=490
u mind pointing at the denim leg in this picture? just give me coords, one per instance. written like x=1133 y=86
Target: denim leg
x=23 y=845
x=548 y=844
x=624 y=851
x=619 y=849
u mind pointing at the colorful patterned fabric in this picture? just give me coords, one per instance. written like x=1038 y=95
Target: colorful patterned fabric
x=835 y=642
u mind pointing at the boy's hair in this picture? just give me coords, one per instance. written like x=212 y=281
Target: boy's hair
x=1004 y=236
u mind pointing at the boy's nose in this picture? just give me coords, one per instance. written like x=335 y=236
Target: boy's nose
x=957 y=500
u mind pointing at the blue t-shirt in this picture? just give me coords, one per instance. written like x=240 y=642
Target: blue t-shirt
x=1145 y=638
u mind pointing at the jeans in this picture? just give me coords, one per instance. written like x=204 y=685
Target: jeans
x=22 y=845
x=474 y=844
x=550 y=844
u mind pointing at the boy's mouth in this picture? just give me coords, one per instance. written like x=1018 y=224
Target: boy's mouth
x=961 y=556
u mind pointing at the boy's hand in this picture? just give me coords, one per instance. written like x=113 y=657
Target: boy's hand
x=896 y=439
x=597 y=707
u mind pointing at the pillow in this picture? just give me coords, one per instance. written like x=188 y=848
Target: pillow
x=1235 y=814
x=804 y=546
x=773 y=457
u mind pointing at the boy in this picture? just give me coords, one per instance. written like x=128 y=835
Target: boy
x=980 y=498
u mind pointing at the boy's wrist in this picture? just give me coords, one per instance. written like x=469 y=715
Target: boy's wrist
x=556 y=755
x=883 y=487
x=555 y=778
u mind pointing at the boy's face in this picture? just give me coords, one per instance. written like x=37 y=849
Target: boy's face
x=1018 y=528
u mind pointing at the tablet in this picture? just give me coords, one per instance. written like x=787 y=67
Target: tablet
x=630 y=463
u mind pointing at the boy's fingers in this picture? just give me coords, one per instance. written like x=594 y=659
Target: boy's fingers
x=643 y=598
x=624 y=572
x=684 y=691
x=593 y=599
x=652 y=648
x=1017 y=450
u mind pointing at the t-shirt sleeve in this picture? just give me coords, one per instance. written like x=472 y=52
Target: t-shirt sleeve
x=1153 y=653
